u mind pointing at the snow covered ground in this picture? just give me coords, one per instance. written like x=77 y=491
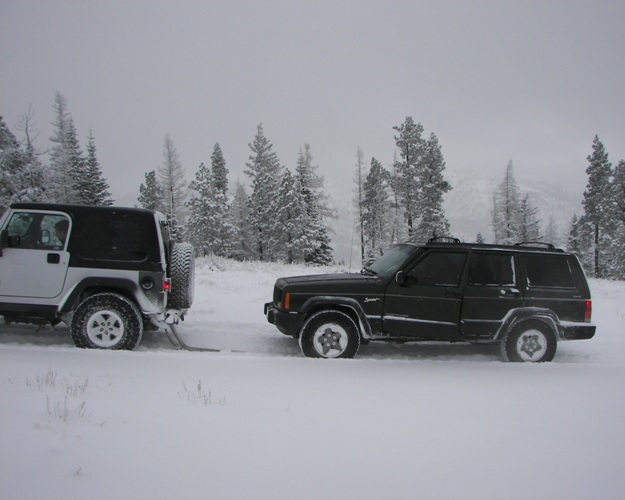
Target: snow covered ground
x=257 y=420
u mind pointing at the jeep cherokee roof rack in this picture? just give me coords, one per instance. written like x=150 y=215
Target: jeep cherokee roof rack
x=448 y=239
x=535 y=244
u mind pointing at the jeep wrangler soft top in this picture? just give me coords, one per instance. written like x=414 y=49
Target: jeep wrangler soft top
x=106 y=272
x=524 y=297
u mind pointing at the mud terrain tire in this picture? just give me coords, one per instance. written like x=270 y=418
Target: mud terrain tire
x=107 y=321
x=182 y=274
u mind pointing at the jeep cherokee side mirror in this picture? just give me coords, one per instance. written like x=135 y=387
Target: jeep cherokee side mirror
x=400 y=278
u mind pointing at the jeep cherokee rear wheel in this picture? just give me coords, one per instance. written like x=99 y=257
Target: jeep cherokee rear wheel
x=107 y=321
x=329 y=334
x=182 y=273
x=531 y=341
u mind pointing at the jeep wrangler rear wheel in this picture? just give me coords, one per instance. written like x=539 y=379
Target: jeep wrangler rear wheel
x=107 y=321
x=182 y=273
x=531 y=341
x=329 y=334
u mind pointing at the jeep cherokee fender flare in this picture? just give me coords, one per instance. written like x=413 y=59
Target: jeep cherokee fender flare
x=518 y=315
x=318 y=303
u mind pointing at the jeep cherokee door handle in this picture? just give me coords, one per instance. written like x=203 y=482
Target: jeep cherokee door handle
x=512 y=292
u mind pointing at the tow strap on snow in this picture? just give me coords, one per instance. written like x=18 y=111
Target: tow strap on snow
x=178 y=343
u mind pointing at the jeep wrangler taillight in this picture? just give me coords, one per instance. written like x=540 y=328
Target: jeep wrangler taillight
x=167 y=285
x=588 y=311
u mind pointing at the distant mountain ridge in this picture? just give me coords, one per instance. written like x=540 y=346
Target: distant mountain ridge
x=467 y=206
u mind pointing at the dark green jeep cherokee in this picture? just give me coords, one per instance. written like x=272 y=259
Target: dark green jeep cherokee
x=525 y=297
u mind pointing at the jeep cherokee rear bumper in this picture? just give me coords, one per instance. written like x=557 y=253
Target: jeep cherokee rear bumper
x=576 y=331
x=286 y=323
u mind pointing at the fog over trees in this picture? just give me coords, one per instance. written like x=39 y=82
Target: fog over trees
x=281 y=212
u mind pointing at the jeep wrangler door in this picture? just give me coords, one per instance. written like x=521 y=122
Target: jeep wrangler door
x=424 y=301
x=34 y=261
x=492 y=290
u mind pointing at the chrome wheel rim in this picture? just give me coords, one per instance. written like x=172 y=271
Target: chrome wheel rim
x=105 y=328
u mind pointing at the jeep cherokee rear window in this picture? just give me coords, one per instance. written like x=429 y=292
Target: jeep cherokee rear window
x=547 y=271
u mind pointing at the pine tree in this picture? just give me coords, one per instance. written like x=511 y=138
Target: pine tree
x=171 y=178
x=506 y=209
x=92 y=188
x=432 y=187
x=410 y=145
x=151 y=193
x=598 y=206
x=11 y=166
x=311 y=190
x=376 y=212
x=359 y=195
x=529 y=224
x=241 y=248
x=219 y=170
x=61 y=180
x=264 y=171
x=294 y=243
x=619 y=220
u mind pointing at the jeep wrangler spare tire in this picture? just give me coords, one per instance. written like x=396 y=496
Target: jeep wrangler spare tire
x=107 y=321
x=329 y=334
x=182 y=275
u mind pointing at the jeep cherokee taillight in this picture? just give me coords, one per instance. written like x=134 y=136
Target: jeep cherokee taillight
x=588 y=311
x=167 y=285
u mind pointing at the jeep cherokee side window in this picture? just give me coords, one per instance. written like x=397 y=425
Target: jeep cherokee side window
x=545 y=271
x=438 y=268
x=490 y=269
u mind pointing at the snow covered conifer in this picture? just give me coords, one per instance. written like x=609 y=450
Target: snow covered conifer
x=294 y=242
x=598 y=205
x=315 y=200
x=264 y=171
x=529 y=224
x=410 y=145
x=93 y=189
x=151 y=193
x=219 y=170
x=432 y=187
x=241 y=248
x=171 y=177
x=376 y=212
x=506 y=209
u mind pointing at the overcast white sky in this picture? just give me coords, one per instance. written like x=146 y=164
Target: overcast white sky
x=528 y=81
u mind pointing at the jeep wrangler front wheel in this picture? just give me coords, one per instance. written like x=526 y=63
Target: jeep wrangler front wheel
x=329 y=334
x=107 y=321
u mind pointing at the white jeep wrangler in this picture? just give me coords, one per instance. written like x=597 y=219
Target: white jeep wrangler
x=106 y=272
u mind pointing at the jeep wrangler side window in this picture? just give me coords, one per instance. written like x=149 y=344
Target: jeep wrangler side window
x=38 y=231
x=438 y=268
x=490 y=269
x=544 y=271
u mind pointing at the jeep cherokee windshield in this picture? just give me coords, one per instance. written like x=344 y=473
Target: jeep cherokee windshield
x=391 y=261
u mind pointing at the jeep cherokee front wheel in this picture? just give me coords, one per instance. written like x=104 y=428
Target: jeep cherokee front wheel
x=329 y=334
x=107 y=321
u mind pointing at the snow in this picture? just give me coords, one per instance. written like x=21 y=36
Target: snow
x=257 y=420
